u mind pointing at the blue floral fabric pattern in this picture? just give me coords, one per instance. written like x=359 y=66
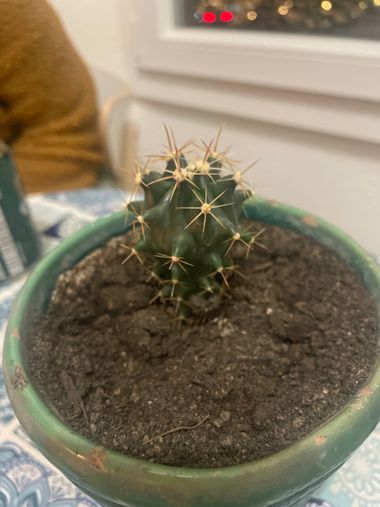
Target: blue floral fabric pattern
x=27 y=479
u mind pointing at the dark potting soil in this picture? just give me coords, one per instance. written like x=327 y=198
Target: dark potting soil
x=291 y=343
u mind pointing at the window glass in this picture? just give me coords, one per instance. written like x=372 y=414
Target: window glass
x=342 y=18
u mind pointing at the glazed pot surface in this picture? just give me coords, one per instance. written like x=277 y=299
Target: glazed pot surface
x=284 y=479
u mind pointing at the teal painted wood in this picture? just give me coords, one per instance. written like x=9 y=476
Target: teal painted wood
x=283 y=479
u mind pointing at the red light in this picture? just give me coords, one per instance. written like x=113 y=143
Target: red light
x=226 y=16
x=209 y=17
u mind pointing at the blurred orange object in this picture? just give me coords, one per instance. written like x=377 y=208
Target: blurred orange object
x=48 y=113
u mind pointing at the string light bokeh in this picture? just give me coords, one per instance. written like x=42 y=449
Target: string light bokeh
x=304 y=15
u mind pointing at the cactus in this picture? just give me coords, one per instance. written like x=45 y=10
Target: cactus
x=189 y=221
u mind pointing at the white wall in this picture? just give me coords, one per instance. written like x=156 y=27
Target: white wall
x=98 y=30
x=95 y=27
x=333 y=177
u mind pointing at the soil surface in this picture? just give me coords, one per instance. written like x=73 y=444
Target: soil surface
x=290 y=344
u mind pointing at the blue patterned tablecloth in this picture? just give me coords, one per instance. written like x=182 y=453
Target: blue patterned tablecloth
x=27 y=479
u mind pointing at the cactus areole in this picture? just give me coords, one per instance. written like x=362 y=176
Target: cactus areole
x=189 y=220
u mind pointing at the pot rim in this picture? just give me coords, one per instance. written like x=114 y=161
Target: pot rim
x=324 y=445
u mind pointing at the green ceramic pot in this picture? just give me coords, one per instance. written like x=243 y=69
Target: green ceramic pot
x=284 y=479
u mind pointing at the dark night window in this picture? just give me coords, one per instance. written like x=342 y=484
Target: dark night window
x=343 y=18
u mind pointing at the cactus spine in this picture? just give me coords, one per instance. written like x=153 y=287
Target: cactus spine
x=189 y=221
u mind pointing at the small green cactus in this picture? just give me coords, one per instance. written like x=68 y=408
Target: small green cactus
x=189 y=221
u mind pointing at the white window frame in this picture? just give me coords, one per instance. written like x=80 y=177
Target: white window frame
x=313 y=64
x=326 y=84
